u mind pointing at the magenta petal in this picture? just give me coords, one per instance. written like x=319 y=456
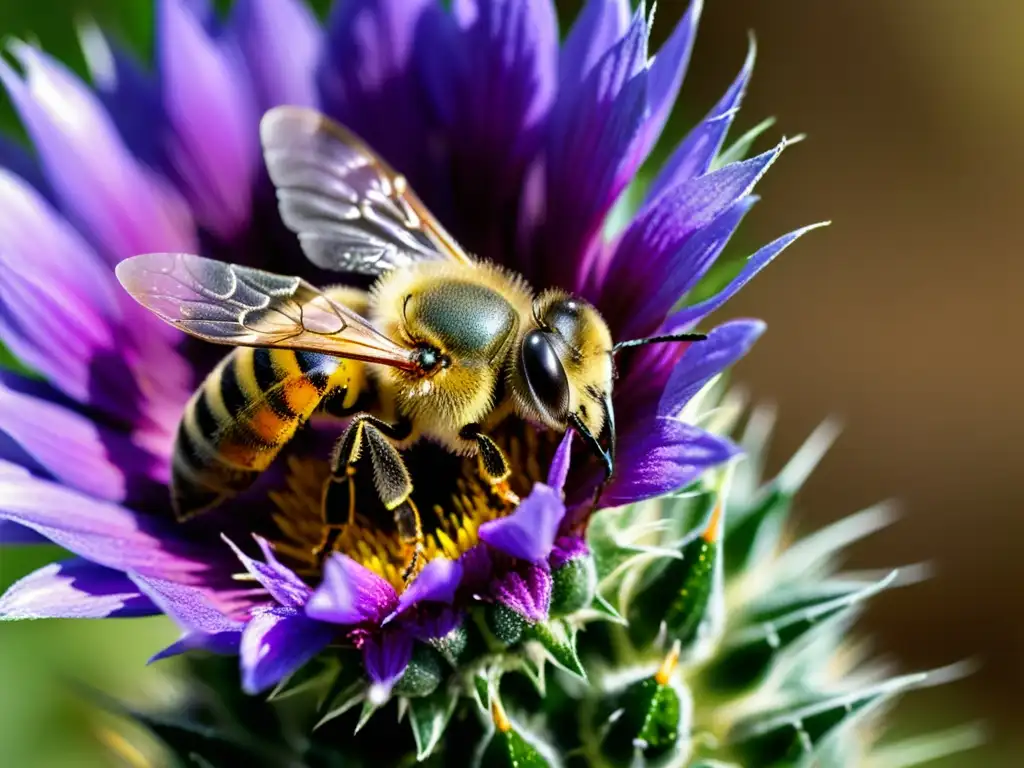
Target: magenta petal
x=100 y=531
x=122 y=205
x=528 y=592
x=559 y=469
x=437 y=583
x=385 y=658
x=529 y=532
x=351 y=594
x=74 y=449
x=281 y=42
x=276 y=642
x=281 y=582
x=74 y=589
x=209 y=105
x=204 y=625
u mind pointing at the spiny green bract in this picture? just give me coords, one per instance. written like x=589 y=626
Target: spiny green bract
x=709 y=641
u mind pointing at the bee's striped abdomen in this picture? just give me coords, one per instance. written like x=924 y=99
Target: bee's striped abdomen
x=246 y=410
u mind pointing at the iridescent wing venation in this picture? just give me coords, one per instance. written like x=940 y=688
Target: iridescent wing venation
x=231 y=304
x=351 y=211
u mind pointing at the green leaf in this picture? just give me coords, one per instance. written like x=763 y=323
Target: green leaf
x=429 y=717
x=646 y=719
x=605 y=609
x=739 y=149
x=750 y=652
x=309 y=676
x=507 y=748
x=558 y=638
x=757 y=535
x=370 y=707
x=928 y=748
x=788 y=737
x=482 y=691
x=533 y=666
x=610 y=536
x=681 y=596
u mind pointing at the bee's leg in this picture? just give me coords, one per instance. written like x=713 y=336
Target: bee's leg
x=390 y=477
x=494 y=466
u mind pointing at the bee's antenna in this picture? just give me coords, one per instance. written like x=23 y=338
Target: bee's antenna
x=659 y=340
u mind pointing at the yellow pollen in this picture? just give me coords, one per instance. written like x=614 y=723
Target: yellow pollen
x=450 y=529
x=499 y=717
x=668 y=666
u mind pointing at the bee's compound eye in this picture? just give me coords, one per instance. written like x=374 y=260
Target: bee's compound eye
x=428 y=358
x=545 y=375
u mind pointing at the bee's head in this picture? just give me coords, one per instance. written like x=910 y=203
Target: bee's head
x=563 y=372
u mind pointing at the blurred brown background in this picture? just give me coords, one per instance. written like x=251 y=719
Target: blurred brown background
x=899 y=319
x=904 y=317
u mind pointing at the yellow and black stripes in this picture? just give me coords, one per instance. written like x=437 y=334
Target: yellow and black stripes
x=246 y=410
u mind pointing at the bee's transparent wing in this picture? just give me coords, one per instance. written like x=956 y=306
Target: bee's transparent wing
x=351 y=211
x=230 y=304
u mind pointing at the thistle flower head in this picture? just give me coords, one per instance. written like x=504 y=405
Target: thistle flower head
x=521 y=146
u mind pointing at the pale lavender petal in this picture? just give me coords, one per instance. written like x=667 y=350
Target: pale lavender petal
x=702 y=361
x=276 y=642
x=597 y=27
x=385 y=658
x=665 y=76
x=100 y=531
x=650 y=249
x=281 y=42
x=204 y=625
x=63 y=314
x=130 y=95
x=527 y=593
x=662 y=456
x=529 y=532
x=123 y=206
x=693 y=157
x=101 y=462
x=74 y=589
x=280 y=582
x=559 y=469
x=436 y=583
x=214 y=146
x=686 y=318
x=351 y=594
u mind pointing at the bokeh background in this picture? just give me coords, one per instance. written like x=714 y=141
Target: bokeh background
x=903 y=319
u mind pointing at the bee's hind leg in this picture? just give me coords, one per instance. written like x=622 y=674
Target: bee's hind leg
x=494 y=466
x=390 y=478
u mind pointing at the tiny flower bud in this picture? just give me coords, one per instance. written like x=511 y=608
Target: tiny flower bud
x=423 y=674
x=574 y=585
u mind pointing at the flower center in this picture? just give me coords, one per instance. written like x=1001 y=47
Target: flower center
x=448 y=490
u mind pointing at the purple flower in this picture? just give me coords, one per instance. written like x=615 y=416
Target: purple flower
x=519 y=146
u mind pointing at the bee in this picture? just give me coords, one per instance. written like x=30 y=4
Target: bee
x=442 y=347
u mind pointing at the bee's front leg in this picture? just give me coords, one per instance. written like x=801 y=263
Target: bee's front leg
x=494 y=466
x=390 y=478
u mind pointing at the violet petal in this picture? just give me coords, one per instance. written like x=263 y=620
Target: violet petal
x=529 y=532
x=559 y=469
x=385 y=657
x=436 y=583
x=276 y=642
x=280 y=582
x=724 y=346
x=351 y=594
